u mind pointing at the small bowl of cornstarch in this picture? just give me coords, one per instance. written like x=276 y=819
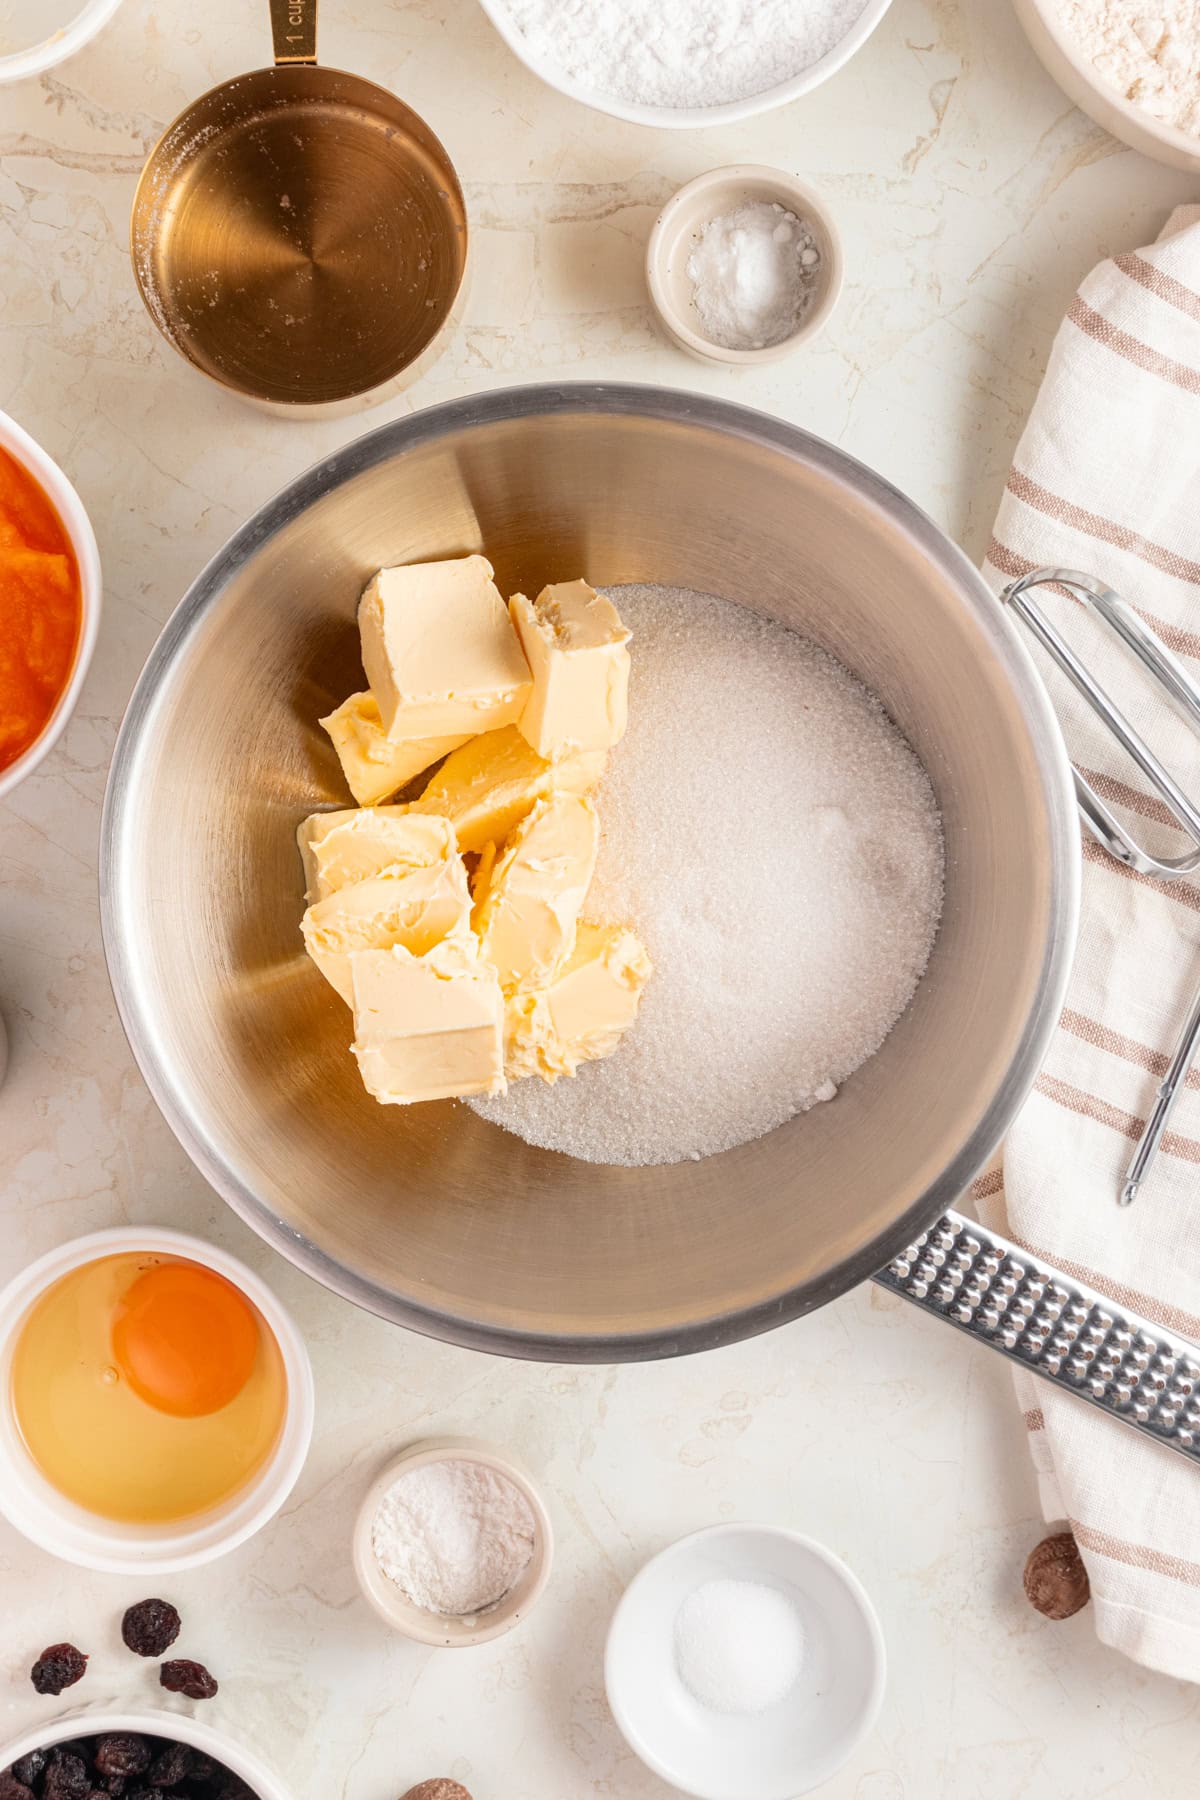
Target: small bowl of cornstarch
x=453 y=1543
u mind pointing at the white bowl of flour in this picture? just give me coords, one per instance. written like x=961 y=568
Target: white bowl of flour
x=1132 y=67
x=684 y=63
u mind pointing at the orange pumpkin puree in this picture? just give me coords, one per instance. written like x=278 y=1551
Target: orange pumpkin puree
x=40 y=609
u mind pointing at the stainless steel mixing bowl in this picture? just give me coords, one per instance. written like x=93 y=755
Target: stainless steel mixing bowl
x=429 y=1215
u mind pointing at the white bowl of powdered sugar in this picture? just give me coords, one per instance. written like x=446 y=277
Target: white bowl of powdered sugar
x=453 y=1543
x=684 y=62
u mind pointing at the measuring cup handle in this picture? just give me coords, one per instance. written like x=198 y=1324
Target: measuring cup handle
x=294 y=31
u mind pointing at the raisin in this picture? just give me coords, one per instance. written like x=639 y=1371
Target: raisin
x=145 y=1794
x=191 y=1679
x=58 y=1667
x=120 y=1753
x=150 y=1627
x=203 y=1768
x=27 y=1768
x=66 y=1779
x=170 y=1766
x=12 y=1788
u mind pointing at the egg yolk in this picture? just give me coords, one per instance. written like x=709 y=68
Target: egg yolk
x=184 y=1339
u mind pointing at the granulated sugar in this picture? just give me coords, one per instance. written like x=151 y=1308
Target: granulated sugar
x=681 y=53
x=774 y=840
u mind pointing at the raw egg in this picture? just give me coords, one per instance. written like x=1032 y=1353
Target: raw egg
x=147 y=1388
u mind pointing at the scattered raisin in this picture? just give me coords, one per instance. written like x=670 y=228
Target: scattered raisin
x=12 y=1788
x=171 y=1766
x=27 y=1768
x=58 y=1667
x=191 y=1679
x=66 y=1779
x=1056 y=1582
x=150 y=1627
x=145 y=1794
x=120 y=1753
x=114 y=1785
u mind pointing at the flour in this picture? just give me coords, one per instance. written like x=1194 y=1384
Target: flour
x=1148 y=50
x=682 y=53
x=455 y=1536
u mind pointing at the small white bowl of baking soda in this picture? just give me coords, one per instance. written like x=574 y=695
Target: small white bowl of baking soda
x=745 y=1663
x=744 y=265
x=453 y=1543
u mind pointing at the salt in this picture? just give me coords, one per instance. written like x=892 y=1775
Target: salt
x=754 y=274
x=739 y=1645
x=455 y=1536
x=681 y=53
x=773 y=839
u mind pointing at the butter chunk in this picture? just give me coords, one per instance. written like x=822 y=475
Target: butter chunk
x=488 y=786
x=574 y=643
x=427 y=1027
x=440 y=650
x=339 y=848
x=585 y=1009
x=526 y=917
x=374 y=765
x=416 y=910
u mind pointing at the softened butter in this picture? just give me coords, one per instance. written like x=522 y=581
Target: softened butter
x=375 y=767
x=427 y=1027
x=440 y=651
x=583 y=1011
x=526 y=917
x=575 y=645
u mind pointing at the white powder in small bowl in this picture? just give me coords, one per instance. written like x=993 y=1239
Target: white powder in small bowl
x=455 y=1536
x=739 y=1645
x=755 y=272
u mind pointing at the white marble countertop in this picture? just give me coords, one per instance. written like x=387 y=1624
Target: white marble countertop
x=972 y=198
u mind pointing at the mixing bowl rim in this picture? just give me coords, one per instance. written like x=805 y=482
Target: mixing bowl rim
x=671 y=406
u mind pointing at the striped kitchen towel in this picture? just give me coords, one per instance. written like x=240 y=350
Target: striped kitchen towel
x=1107 y=480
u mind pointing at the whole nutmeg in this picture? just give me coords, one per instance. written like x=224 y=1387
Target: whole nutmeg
x=1056 y=1582
x=440 y=1788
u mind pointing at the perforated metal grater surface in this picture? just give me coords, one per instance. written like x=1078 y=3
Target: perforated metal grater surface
x=1056 y=1327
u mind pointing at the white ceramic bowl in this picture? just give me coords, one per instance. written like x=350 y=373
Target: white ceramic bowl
x=58 y=45
x=1067 y=64
x=795 y=1745
x=69 y=1531
x=26 y=451
x=690 y=117
x=83 y=1721
x=394 y=1606
x=677 y=231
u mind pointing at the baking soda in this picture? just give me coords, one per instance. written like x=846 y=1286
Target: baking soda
x=754 y=272
x=681 y=53
x=775 y=842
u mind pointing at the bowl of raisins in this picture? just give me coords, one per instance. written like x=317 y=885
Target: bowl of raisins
x=88 y=1755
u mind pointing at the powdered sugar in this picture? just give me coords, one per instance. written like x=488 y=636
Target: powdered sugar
x=682 y=52
x=455 y=1535
x=1148 y=50
x=770 y=835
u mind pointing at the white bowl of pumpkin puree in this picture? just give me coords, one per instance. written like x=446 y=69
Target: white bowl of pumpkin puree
x=49 y=601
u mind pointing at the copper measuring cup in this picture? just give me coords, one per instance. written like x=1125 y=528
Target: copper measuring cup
x=298 y=233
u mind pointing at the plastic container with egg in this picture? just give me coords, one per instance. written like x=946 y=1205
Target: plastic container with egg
x=96 y=1539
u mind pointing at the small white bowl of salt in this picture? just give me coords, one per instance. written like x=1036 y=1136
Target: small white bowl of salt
x=453 y=1543
x=744 y=265
x=745 y=1663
